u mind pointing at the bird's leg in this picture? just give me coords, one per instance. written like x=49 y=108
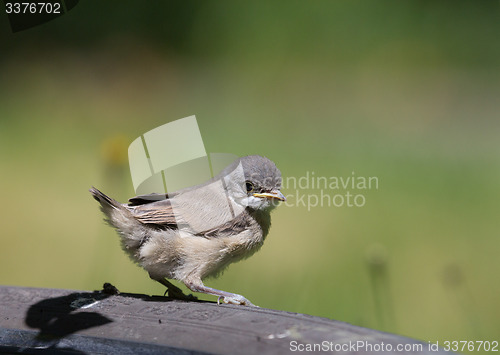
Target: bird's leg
x=227 y=297
x=172 y=290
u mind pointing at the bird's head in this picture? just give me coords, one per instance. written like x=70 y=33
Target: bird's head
x=254 y=182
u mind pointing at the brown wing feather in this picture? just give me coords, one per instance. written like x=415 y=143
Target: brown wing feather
x=158 y=213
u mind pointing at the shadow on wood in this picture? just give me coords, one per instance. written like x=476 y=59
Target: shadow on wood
x=64 y=321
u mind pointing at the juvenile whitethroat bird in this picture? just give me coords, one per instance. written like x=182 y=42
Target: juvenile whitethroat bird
x=197 y=232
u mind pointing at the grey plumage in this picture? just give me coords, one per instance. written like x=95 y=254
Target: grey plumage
x=197 y=232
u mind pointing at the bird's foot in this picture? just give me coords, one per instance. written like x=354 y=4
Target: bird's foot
x=235 y=299
x=176 y=293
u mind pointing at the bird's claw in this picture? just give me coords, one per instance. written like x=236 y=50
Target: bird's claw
x=236 y=299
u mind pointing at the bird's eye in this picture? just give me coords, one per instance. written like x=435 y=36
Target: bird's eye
x=249 y=186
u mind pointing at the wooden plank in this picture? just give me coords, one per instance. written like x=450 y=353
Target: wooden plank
x=97 y=322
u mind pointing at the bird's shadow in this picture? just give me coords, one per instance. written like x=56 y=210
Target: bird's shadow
x=57 y=317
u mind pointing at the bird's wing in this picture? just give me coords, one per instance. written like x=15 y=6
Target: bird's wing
x=232 y=227
x=159 y=213
x=156 y=210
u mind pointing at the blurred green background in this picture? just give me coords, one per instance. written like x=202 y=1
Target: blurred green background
x=407 y=91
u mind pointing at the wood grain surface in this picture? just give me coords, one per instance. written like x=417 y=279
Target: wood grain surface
x=64 y=321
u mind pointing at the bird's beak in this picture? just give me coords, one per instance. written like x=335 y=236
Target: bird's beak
x=273 y=194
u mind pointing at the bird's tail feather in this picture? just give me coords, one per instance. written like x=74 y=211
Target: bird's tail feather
x=118 y=216
x=103 y=199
